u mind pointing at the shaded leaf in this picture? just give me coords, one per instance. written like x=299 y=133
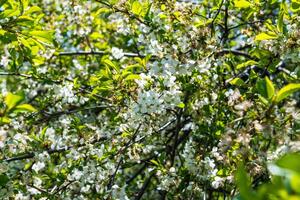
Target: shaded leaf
x=243 y=183
x=265 y=87
x=3 y=180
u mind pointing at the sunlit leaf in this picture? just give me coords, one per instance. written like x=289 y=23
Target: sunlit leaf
x=290 y=161
x=242 y=4
x=286 y=91
x=237 y=81
x=11 y=100
x=295 y=6
x=136 y=8
x=132 y=77
x=43 y=36
x=25 y=107
x=265 y=36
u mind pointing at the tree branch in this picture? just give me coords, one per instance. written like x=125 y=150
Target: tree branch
x=127 y=145
x=51 y=151
x=235 y=52
x=80 y=53
x=144 y=187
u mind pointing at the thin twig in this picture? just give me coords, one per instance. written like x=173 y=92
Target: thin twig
x=121 y=151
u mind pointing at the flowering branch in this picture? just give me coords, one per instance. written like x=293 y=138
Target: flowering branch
x=51 y=151
x=80 y=53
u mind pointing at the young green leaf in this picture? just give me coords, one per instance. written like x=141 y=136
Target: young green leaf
x=132 y=77
x=295 y=6
x=110 y=64
x=43 y=36
x=286 y=91
x=265 y=36
x=246 y=64
x=242 y=4
x=136 y=8
x=181 y=105
x=25 y=107
x=270 y=88
x=11 y=100
x=237 y=81
x=4 y=120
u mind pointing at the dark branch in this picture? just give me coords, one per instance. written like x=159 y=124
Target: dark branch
x=51 y=151
x=82 y=53
x=144 y=187
x=235 y=52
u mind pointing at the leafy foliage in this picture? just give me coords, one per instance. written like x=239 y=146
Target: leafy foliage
x=146 y=99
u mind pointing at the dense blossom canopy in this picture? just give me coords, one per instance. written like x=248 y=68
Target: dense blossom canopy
x=149 y=99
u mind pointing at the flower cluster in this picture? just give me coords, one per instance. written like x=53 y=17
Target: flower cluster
x=145 y=99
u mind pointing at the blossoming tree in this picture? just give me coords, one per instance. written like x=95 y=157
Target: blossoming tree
x=149 y=99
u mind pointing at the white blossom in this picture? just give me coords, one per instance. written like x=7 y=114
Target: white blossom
x=38 y=166
x=117 y=53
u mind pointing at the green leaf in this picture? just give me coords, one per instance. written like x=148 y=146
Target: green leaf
x=290 y=161
x=110 y=64
x=154 y=162
x=270 y=87
x=32 y=9
x=286 y=91
x=25 y=20
x=181 y=105
x=263 y=100
x=136 y=8
x=23 y=5
x=25 y=107
x=295 y=182
x=9 y=13
x=237 y=81
x=246 y=64
x=295 y=6
x=2 y=2
x=27 y=166
x=3 y=180
x=5 y=120
x=266 y=36
x=242 y=4
x=265 y=87
x=280 y=21
x=11 y=100
x=24 y=42
x=2 y=32
x=132 y=77
x=43 y=36
x=243 y=183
